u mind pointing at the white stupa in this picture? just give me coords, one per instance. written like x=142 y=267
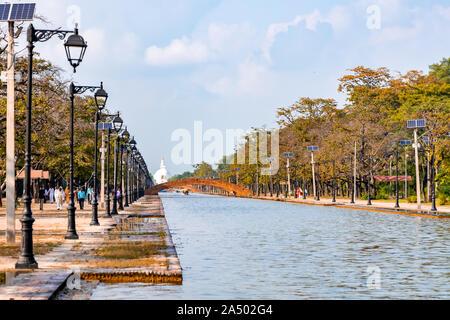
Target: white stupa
x=162 y=175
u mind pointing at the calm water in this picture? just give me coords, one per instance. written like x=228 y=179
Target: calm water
x=249 y=249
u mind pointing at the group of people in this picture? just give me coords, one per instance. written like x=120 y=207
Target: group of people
x=59 y=196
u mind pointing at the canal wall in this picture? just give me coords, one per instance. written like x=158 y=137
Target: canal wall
x=405 y=209
x=375 y=207
x=134 y=246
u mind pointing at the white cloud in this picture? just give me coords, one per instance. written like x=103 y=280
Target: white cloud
x=95 y=38
x=125 y=50
x=337 y=18
x=442 y=11
x=397 y=33
x=179 y=51
x=221 y=41
x=250 y=79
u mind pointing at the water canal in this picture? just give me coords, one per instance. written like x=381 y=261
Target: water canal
x=250 y=249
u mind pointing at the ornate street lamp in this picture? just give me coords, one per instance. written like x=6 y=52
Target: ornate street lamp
x=433 y=180
x=71 y=230
x=108 y=197
x=369 y=199
x=75 y=49
x=127 y=172
x=117 y=125
x=132 y=149
x=397 y=204
x=122 y=143
x=26 y=259
x=101 y=96
x=125 y=138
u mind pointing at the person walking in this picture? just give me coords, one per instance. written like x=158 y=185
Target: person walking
x=81 y=196
x=51 y=195
x=41 y=198
x=299 y=193
x=46 y=195
x=59 y=197
x=66 y=192
x=89 y=195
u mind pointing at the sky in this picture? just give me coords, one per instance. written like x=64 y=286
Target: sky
x=232 y=63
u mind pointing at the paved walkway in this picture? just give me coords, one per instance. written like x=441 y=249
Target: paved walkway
x=144 y=222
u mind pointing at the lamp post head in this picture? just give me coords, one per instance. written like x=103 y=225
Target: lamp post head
x=101 y=96
x=126 y=134
x=75 y=49
x=117 y=123
x=133 y=143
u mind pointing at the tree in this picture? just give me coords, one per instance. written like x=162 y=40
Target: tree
x=441 y=71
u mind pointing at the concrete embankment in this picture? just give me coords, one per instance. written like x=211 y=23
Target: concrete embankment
x=135 y=246
x=406 y=209
x=377 y=206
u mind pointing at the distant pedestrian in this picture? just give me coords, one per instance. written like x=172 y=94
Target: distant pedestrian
x=89 y=195
x=81 y=196
x=51 y=195
x=1 y=196
x=46 y=195
x=59 y=197
x=66 y=192
x=41 y=198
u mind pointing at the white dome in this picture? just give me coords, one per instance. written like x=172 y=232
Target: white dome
x=162 y=175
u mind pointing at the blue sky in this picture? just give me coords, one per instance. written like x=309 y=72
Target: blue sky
x=231 y=64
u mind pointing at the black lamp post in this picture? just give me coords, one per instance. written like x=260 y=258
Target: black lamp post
x=26 y=259
x=124 y=141
x=120 y=199
x=131 y=186
x=117 y=124
x=334 y=181
x=127 y=175
x=397 y=204
x=318 y=182
x=433 y=180
x=133 y=175
x=369 y=201
x=353 y=184
x=108 y=198
x=100 y=100
x=136 y=187
x=132 y=149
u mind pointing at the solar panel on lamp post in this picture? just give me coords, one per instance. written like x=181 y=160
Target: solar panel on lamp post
x=11 y=13
x=416 y=125
x=312 y=150
x=397 y=200
x=26 y=259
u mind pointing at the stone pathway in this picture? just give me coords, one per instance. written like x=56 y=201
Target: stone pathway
x=40 y=285
x=143 y=222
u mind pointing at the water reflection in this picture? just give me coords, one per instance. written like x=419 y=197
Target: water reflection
x=248 y=249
